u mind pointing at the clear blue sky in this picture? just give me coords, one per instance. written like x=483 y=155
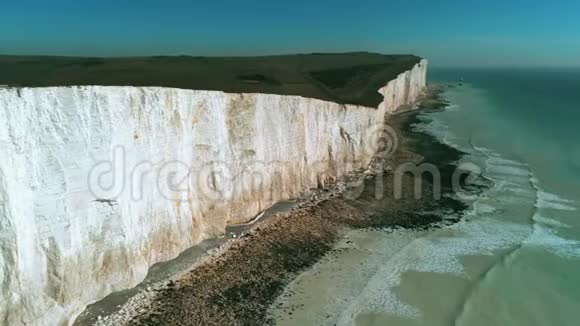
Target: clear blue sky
x=448 y=32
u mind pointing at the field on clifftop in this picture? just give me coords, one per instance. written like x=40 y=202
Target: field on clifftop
x=350 y=78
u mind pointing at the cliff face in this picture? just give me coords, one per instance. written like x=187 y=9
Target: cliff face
x=99 y=183
x=405 y=89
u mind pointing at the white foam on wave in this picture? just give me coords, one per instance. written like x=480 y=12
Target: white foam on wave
x=452 y=107
x=480 y=208
x=438 y=129
x=553 y=201
x=550 y=222
x=508 y=170
x=548 y=239
x=545 y=233
x=498 y=160
x=515 y=188
x=498 y=167
x=486 y=151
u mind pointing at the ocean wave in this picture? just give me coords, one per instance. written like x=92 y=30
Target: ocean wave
x=486 y=151
x=498 y=160
x=550 y=221
x=452 y=107
x=548 y=239
x=554 y=201
x=480 y=208
x=438 y=129
x=508 y=170
x=545 y=234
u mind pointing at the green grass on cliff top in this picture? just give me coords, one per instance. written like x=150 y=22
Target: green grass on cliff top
x=352 y=78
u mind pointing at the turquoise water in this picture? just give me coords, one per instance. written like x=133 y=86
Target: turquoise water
x=532 y=115
x=513 y=260
x=523 y=124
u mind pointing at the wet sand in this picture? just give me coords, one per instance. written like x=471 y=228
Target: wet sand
x=237 y=286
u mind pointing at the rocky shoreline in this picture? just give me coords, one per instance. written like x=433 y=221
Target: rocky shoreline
x=236 y=283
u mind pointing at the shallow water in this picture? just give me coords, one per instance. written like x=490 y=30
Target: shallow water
x=514 y=258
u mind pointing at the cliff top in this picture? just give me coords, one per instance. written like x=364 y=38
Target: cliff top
x=350 y=78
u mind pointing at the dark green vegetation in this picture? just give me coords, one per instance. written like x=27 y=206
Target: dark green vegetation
x=352 y=78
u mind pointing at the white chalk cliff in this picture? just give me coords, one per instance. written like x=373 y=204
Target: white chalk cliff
x=99 y=183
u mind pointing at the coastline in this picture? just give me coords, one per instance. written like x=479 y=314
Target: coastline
x=225 y=287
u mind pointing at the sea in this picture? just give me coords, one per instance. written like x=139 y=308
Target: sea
x=513 y=259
